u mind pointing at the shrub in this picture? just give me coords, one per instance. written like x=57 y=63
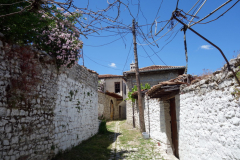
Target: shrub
x=103 y=127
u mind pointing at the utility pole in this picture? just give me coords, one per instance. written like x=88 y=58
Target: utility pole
x=141 y=112
x=185 y=47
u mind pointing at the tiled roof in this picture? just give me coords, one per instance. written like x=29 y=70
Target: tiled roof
x=109 y=76
x=166 y=87
x=157 y=68
x=181 y=79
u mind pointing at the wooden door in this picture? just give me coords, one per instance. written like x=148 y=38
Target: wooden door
x=111 y=110
x=174 y=126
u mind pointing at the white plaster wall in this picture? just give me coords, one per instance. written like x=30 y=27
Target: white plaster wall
x=209 y=126
x=157 y=121
x=110 y=85
x=76 y=117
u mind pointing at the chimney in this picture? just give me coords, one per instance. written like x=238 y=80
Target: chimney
x=132 y=66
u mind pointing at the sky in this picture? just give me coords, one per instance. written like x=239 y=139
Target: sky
x=111 y=52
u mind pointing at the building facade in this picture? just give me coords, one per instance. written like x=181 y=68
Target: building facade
x=111 y=97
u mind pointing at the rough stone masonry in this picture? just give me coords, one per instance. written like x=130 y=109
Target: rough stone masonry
x=43 y=110
x=207 y=117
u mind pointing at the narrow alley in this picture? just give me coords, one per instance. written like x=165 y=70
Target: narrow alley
x=121 y=142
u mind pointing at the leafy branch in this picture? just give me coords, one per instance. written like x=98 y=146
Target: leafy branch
x=134 y=89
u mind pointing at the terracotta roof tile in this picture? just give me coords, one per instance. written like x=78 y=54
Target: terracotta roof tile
x=157 y=68
x=109 y=76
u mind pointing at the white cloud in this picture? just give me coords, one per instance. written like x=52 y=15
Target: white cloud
x=113 y=65
x=207 y=47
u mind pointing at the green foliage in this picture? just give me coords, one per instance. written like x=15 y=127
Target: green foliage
x=134 y=89
x=103 y=127
x=21 y=28
x=43 y=26
x=52 y=147
x=71 y=94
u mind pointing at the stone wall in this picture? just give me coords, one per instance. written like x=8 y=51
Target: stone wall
x=43 y=110
x=207 y=115
x=157 y=120
x=104 y=101
x=153 y=78
x=210 y=117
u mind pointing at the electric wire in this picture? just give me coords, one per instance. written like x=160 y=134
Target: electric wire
x=105 y=43
x=197 y=12
x=215 y=11
x=127 y=56
x=170 y=29
x=147 y=54
x=102 y=64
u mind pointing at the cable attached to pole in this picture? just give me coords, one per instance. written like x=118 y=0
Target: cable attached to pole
x=228 y=65
x=184 y=29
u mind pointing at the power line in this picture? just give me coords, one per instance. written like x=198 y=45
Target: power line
x=159 y=9
x=127 y=56
x=101 y=64
x=147 y=54
x=106 y=43
x=215 y=11
x=197 y=12
x=168 y=30
x=105 y=61
x=177 y=5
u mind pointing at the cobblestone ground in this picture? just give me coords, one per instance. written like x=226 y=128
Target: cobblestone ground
x=128 y=144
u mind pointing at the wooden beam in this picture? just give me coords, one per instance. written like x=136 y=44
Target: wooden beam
x=172 y=89
x=169 y=96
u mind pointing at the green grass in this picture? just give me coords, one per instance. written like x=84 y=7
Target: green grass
x=132 y=139
x=97 y=147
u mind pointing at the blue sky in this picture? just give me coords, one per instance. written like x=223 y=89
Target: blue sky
x=104 y=56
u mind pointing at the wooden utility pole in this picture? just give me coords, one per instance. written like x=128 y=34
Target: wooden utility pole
x=141 y=112
x=185 y=47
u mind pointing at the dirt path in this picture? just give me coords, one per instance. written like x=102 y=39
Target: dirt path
x=128 y=144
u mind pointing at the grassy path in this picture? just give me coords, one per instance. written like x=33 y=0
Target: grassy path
x=120 y=142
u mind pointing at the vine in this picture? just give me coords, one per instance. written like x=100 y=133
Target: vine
x=134 y=89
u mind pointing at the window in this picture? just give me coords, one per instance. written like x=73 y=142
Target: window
x=117 y=87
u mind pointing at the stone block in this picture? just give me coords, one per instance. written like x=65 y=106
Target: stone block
x=1 y=44
x=5 y=142
x=235 y=121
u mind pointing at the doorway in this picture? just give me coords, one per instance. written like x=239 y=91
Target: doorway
x=174 y=127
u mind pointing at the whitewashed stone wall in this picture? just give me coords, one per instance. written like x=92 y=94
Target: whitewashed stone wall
x=157 y=120
x=209 y=125
x=76 y=115
x=208 y=118
x=43 y=110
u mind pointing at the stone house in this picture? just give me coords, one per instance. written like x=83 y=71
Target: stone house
x=111 y=97
x=152 y=75
x=195 y=118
